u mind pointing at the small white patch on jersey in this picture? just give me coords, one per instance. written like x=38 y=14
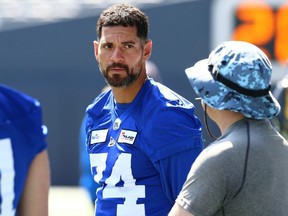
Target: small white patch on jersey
x=117 y=124
x=98 y=136
x=127 y=136
x=111 y=142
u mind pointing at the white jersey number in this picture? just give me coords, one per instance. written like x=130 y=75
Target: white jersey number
x=121 y=171
x=7 y=174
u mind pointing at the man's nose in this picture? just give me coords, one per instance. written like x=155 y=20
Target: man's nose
x=117 y=55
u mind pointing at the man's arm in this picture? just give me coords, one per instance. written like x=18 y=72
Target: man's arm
x=177 y=210
x=34 y=200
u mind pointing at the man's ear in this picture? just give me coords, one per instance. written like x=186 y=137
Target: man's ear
x=147 y=49
x=96 y=44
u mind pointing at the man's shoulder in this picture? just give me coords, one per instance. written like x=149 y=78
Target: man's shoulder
x=15 y=103
x=165 y=97
x=99 y=102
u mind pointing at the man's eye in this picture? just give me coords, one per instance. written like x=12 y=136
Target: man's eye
x=128 y=46
x=107 y=46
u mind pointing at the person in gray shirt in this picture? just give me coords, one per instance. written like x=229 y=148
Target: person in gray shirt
x=245 y=171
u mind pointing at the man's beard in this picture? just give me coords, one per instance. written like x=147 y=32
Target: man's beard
x=118 y=80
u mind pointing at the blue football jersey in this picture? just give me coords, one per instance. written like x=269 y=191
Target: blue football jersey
x=140 y=157
x=22 y=137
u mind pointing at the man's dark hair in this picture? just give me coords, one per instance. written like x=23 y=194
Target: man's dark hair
x=124 y=15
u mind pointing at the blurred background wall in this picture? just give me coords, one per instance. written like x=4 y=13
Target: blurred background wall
x=46 y=51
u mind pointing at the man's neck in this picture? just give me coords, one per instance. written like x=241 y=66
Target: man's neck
x=225 y=118
x=127 y=94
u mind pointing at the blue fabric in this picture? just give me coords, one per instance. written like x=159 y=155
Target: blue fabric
x=143 y=162
x=86 y=179
x=172 y=169
x=21 y=128
x=121 y=108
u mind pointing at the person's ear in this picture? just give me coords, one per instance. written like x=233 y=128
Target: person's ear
x=96 y=45
x=147 y=49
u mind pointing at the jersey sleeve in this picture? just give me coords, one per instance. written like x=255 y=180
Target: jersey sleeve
x=170 y=131
x=34 y=128
x=25 y=113
x=173 y=142
x=173 y=171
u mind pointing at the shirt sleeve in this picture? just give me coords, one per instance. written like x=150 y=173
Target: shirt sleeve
x=210 y=181
x=26 y=114
x=174 y=170
x=171 y=131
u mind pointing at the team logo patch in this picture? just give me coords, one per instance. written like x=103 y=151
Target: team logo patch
x=127 y=136
x=111 y=142
x=117 y=124
x=98 y=136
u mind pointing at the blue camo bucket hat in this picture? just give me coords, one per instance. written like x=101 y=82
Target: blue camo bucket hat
x=236 y=77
